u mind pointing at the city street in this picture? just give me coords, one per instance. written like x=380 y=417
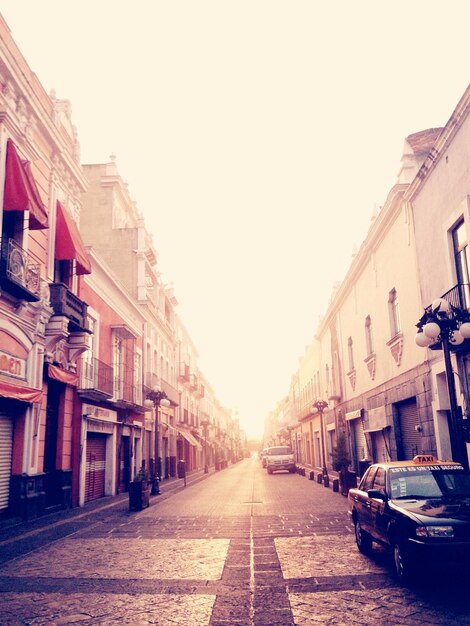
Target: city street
x=238 y=548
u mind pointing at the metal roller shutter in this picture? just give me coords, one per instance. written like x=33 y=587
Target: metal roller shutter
x=95 y=466
x=360 y=440
x=408 y=420
x=6 y=448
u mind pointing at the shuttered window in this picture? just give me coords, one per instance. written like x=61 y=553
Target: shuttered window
x=95 y=466
x=6 y=447
x=360 y=444
x=410 y=438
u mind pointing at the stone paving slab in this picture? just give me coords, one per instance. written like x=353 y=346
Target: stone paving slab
x=124 y=558
x=54 y=609
x=327 y=556
x=267 y=551
x=354 y=608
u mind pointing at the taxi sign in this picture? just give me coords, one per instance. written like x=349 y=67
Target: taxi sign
x=424 y=458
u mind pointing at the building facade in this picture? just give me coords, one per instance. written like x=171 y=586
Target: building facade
x=43 y=319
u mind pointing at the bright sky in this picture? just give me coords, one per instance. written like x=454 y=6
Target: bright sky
x=256 y=137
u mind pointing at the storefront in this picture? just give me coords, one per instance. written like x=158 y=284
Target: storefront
x=99 y=444
x=6 y=452
x=21 y=484
x=359 y=447
x=378 y=432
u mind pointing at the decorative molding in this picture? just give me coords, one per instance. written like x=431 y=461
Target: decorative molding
x=371 y=361
x=396 y=347
x=352 y=378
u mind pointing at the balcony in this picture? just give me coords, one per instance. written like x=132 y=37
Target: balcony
x=183 y=372
x=19 y=276
x=172 y=394
x=152 y=380
x=96 y=380
x=66 y=303
x=458 y=296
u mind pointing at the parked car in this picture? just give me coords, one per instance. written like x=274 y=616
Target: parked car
x=280 y=458
x=263 y=457
x=419 y=509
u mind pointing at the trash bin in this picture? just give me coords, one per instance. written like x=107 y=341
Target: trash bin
x=181 y=469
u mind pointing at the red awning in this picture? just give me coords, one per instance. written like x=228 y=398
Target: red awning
x=16 y=392
x=68 y=242
x=64 y=376
x=21 y=192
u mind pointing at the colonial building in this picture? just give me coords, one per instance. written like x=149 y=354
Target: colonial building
x=363 y=361
x=113 y=441
x=43 y=319
x=439 y=200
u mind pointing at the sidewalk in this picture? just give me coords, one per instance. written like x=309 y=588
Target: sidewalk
x=11 y=532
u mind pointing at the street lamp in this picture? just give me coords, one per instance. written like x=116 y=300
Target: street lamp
x=444 y=325
x=320 y=406
x=154 y=400
x=205 y=424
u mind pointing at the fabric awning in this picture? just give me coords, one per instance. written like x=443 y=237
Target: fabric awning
x=21 y=192
x=68 y=242
x=63 y=376
x=17 y=392
x=189 y=437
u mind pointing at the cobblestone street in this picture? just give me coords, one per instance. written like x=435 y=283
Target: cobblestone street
x=238 y=548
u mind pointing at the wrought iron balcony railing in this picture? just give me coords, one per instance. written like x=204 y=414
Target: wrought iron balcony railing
x=125 y=387
x=19 y=275
x=66 y=303
x=458 y=296
x=96 y=377
x=152 y=380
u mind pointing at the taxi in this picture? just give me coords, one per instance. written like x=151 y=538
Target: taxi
x=419 y=509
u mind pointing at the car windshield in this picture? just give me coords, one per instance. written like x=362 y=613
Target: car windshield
x=429 y=482
x=279 y=450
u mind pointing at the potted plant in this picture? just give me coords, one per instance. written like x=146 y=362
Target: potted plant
x=139 y=490
x=341 y=462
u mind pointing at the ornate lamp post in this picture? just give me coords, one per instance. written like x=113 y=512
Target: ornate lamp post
x=444 y=325
x=205 y=424
x=155 y=399
x=320 y=406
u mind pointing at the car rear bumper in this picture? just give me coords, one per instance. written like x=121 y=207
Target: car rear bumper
x=283 y=466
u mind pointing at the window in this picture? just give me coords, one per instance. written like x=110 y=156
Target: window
x=138 y=377
x=462 y=264
x=118 y=366
x=368 y=479
x=379 y=481
x=350 y=354
x=368 y=330
x=394 y=313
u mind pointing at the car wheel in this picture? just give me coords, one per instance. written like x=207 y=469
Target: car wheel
x=363 y=539
x=401 y=564
x=270 y=471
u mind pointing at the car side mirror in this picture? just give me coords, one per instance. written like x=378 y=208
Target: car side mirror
x=378 y=494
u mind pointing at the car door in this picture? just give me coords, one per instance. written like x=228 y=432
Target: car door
x=378 y=508
x=363 y=502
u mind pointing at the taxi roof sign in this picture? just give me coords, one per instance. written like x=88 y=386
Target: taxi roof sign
x=424 y=458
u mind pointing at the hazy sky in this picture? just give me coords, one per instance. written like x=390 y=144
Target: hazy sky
x=256 y=137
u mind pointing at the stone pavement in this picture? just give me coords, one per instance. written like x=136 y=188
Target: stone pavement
x=239 y=549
